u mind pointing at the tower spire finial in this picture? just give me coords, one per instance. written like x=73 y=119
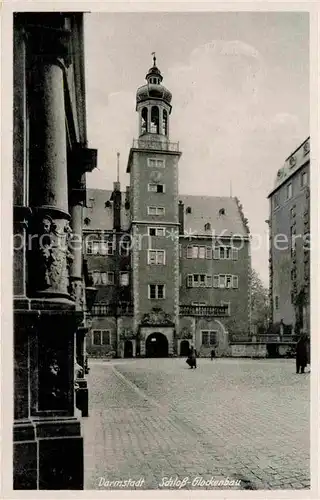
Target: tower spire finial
x=154 y=58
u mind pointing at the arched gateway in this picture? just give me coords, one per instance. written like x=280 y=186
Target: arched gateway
x=157 y=346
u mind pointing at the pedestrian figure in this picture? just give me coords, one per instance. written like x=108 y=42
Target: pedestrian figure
x=213 y=354
x=192 y=360
x=301 y=354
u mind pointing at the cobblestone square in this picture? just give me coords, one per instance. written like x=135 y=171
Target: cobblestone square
x=244 y=421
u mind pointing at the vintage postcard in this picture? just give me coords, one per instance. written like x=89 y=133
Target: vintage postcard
x=158 y=206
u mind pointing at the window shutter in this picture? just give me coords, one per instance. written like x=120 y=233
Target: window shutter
x=235 y=281
x=234 y=254
x=189 y=281
x=209 y=281
x=216 y=253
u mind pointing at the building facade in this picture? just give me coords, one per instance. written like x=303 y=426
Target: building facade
x=289 y=231
x=171 y=270
x=50 y=161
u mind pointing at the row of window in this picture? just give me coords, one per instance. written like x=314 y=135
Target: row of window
x=102 y=247
x=107 y=278
x=103 y=337
x=304 y=181
x=202 y=252
x=216 y=281
x=152 y=124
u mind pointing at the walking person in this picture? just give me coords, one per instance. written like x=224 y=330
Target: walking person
x=192 y=358
x=301 y=354
x=213 y=353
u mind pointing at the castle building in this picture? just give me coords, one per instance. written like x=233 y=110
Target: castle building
x=289 y=232
x=171 y=270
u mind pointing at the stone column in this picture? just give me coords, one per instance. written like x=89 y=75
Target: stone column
x=49 y=256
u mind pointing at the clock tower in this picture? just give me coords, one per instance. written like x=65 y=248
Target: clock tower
x=153 y=167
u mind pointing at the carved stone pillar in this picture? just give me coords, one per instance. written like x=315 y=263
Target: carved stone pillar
x=49 y=256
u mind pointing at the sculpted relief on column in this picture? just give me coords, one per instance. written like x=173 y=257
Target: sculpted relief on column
x=51 y=256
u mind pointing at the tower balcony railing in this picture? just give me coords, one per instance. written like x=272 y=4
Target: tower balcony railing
x=155 y=145
x=217 y=311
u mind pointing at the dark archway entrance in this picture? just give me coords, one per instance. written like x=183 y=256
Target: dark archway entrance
x=128 y=349
x=157 y=346
x=184 y=348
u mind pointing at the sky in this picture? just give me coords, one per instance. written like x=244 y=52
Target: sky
x=240 y=106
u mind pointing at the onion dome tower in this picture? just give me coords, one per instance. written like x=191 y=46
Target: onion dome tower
x=154 y=105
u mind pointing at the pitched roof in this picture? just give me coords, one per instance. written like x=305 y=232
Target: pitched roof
x=204 y=210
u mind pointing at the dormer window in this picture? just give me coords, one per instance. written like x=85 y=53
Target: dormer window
x=87 y=221
x=188 y=210
x=222 y=211
x=207 y=226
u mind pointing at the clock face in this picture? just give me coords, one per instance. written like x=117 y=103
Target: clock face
x=155 y=176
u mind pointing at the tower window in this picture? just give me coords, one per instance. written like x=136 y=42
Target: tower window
x=222 y=211
x=207 y=226
x=154 y=120
x=165 y=122
x=144 y=120
x=188 y=210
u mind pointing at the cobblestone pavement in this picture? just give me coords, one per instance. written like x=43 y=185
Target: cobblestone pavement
x=244 y=420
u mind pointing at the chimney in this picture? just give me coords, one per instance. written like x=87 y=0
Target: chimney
x=116 y=198
x=181 y=217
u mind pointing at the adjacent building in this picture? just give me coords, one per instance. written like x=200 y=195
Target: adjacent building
x=289 y=225
x=50 y=160
x=171 y=270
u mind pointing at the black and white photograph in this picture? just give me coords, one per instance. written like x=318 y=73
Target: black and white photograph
x=162 y=210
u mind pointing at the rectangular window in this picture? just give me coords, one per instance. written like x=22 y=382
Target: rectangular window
x=89 y=247
x=304 y=179
x=225 y=253
x=222 y=281
x=96 y=277
x=156 y=163
x=189 y=281
x=208 y=253
x=101 y=337
x=209 y=337
x=189 y=252
x=216 y=281
x=235 y=282
x=275 y=201
x=202 y=252
x=289 y=191
x=156 y=188
x=157 y=231
x=228 y=281
x=96 y=337
x=234 y=254
x=124 y=278
x=156 y=257
x=156 y=211
x=105 y=334
x=216 y=253
x=95 y=247
x=195 y=252
x=156 y=292
x=209 y=281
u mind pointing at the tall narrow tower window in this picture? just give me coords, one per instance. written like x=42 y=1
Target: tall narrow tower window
x=144 y=120
x=165 y=122
x=154 y=120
